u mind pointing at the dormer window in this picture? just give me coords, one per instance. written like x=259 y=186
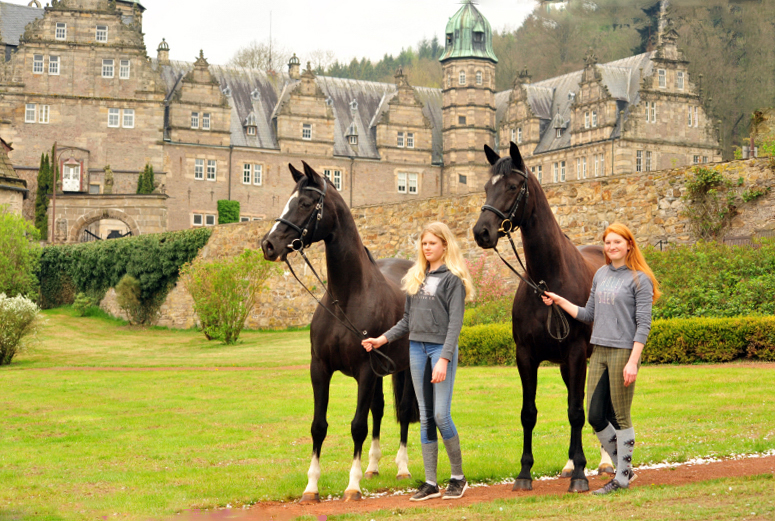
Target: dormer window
x=478 y=37
x=449 y=38
x=251 y=124
x=102 y=34
x=353 y=140
x=251 y=130
x=571 y=96
x=255 y=95
x=354 y=105
x=559 y=132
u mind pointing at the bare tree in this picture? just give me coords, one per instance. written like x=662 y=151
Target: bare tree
x=321 y=60
x=261 y=56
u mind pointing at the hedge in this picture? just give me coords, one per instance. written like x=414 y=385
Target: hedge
x=681 y=340
x=93 y=268
x=228 y=211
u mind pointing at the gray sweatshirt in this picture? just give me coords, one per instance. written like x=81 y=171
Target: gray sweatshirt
x=619 y=306
x=435 y=313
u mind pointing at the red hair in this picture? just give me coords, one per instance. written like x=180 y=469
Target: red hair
x=634 y=260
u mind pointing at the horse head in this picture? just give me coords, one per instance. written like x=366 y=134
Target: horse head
x=507 y=197
x=306 y=218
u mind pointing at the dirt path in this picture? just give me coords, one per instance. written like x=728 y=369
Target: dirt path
x=682 y=474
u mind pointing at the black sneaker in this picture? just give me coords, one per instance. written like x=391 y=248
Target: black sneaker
x=609 y=487
x=426 y=491
x=456 y=489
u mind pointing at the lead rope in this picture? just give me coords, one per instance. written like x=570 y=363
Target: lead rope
x=385 y=365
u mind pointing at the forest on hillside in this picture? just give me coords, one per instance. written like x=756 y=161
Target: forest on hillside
x=731 y=43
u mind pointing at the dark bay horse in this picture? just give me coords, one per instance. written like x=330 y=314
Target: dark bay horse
x=550 y=257
x=361 y=291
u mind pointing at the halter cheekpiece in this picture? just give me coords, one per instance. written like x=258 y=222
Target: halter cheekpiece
x=314 y=218
x=507 y=223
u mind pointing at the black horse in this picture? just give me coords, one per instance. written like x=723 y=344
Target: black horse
x=515 y=199
x=364 y=295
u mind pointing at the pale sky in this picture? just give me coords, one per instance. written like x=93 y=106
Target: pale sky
x=349 y=28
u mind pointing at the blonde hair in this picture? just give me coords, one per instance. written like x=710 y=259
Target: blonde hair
x=452 y=257
x=634 y=260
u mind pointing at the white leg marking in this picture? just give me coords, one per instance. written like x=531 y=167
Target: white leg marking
x=402 y=462
x=375 y=454
x=567 y=470
x=285 y=210
x=605 y=458
x=313 y=475
x=355 y=476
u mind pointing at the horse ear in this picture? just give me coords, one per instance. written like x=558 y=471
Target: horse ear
x=516 y=157
x=313 y=176
x=295 y=173
x=492 y=156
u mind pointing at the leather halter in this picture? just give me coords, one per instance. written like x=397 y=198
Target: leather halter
x=314 y=218
x=507 y=224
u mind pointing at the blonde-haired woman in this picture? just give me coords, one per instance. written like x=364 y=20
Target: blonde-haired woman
x=436 y=287
x=620 y=305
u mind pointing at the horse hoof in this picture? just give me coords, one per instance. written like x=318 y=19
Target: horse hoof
x=606 y=469
x=310 y=497
x=522 y=484
x=352 y=495
x=401 y=477
x=370 y=474
x=566 y=473
x=579 y=485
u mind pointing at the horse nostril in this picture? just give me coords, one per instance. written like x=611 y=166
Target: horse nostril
x=268 y=248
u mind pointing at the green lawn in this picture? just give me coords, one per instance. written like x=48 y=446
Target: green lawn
x=102 y=419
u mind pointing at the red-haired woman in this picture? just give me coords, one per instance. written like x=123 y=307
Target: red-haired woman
x=620 y=306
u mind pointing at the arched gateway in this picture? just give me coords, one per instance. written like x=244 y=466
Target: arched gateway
x=142 y=214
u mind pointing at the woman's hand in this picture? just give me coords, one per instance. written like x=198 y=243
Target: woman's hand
x=550 y=298
x=373 y=343
x=439 y=371
x=630 y=373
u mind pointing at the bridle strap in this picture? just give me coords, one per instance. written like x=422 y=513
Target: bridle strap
x=314 y=218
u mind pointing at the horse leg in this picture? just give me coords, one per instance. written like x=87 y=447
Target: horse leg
x=321 y=383
x=528 y=373
x=574 y=372
x=377 y=411
x=408 y=412
x=359 y=429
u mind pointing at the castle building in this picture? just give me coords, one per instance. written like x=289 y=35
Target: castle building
x=78 y=73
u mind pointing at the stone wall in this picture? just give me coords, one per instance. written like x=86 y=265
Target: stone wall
x=649 y=203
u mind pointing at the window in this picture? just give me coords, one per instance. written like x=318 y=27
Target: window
x=401 y=183
x=61 y=31
x=400 y=140
x=353 y=140
x=409 y=140
x=696 y=117
x=209 y=220
x=102 y=33
x=653 y=111
x=335 y=176
x=554 y=173
x=597 y=165
x=648 y=160
x=559 y=132
x=94 y=189
x=584 y=167
x=662 y=78
x=244 y=219
x=462 y=78
x=53 y=65
x=197 y=220
x=478 y=77
x=594 y=118
x=540 y=173
x=696 y=160
x=251 y=130
x=123 y=69
x=107 y=68
x=29 y=113
x=211 y=169
x=113 y=115
x=514 y=135
x=602 y=164
x=462 y=179
x=246 y=174
x=519 y=135
x=639 y=161
x=306 y=131
x=43 y=112
x=679 y=80
x=206 y=122
x=195 y=120
x=412 y=181
x=129 y=118
x=37 y=64
x=562 y=171
x=704 y=159
x=578 y=168
x=258 y=174
x=586 y=119
x=199 y=169
x=461 y=120
x=689 y=117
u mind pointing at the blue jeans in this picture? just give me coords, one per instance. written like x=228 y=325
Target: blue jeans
x=435 y=400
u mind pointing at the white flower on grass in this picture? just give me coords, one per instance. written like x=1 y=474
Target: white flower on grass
x=18 y=319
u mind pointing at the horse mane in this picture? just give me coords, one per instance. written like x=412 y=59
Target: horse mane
x=371 y=258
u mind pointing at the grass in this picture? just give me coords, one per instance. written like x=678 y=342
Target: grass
x=102 y=419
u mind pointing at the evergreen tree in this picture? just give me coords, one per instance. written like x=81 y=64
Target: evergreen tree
x=41 y=196
x=141 y=182
x=145 y=183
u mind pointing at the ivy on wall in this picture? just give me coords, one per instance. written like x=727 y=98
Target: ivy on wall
x=93 y=268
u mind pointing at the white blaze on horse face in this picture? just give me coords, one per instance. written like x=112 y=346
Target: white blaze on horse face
x=375 y=454
x=313 y=475
x=355 y=476
x=285 y=210
x=402 y=462
x=496 y=178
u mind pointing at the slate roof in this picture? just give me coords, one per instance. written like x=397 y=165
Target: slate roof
x=13 y=19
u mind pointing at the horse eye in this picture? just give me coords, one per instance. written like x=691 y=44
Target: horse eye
x=512 y=187
x=305 y=204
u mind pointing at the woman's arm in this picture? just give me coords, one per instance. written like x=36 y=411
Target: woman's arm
x=631 y=369
x=394 y=333
x=553 y=298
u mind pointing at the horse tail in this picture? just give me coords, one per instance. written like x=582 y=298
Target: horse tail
x=404 y=399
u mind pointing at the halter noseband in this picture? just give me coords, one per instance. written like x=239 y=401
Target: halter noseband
x=507 y=225
x=317 y=215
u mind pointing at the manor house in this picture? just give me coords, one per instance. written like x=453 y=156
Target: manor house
x=77 y=73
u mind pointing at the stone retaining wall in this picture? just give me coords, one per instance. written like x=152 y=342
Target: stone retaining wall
x=650 y=203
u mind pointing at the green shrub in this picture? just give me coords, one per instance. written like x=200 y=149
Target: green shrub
x=82 y=303
x=225 y=291
x=228 y=211
x=145 y=181
x=492 y=312
x=18 y=319
x=488 y=344
x=128 y=297
x=19 y=255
